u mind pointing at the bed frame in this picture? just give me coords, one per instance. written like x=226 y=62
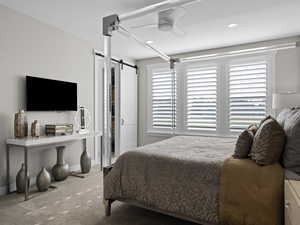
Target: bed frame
x=108 y=203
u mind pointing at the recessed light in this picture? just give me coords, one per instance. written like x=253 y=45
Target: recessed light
x=149 y=42
x=232 y=25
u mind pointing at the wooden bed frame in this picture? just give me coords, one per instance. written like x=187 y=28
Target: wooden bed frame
x=108 y=202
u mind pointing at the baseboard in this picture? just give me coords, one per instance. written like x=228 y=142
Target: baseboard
x=3 y=189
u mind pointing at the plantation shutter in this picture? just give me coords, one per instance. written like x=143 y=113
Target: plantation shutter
x=201 y=92
x=247 y=94
x=163 y=99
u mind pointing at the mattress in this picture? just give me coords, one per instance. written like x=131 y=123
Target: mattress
x=180 y=175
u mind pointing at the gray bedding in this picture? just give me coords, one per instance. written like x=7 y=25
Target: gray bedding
x=179 y=175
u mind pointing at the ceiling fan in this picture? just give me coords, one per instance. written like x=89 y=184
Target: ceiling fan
x=167 y=21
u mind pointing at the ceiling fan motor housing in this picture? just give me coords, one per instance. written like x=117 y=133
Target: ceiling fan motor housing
x=166 y=20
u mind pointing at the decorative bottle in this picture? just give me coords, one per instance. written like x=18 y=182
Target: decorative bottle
x=20 y=180
x=35 y=129
x=85 y=162
x=61 y=169
x=21 y=124
x=43 y=180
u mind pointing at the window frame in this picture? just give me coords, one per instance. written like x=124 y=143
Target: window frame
x=197 y=64
x=149 y=115
x=269 y=79
x=223 y=108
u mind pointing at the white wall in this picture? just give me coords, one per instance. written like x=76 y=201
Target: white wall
x=286 y=78
x=29 y=47
x=288 y=70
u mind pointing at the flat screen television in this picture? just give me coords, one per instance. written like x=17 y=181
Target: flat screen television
x=50 y=95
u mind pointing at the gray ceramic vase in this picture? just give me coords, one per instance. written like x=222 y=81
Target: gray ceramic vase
x=43 y=180
x=20 y=180
x=61 y=169
x=85 y=162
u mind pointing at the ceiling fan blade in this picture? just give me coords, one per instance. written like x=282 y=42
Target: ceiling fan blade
x=144 y=26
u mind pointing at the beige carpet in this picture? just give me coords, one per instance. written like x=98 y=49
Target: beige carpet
x=76 y=201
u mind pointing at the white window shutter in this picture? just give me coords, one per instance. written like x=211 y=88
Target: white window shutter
x=247 y=94
x=215 y=97
x=201 y=92
x=163 y=99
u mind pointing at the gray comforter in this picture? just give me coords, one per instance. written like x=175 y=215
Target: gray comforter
x=179 y=175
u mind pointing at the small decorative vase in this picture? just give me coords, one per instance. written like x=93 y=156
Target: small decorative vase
x=61 y=170
x=20 y=180
x=21 y=124
x=82 y=120
x=35 y=129
x=85 y=162
x=43 y=180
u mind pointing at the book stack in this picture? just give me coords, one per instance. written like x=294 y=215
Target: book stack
x=58 y=129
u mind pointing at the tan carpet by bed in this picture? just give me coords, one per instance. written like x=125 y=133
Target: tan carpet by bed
x=76 y=202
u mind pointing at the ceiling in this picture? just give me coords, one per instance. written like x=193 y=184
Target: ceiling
x=205 y=23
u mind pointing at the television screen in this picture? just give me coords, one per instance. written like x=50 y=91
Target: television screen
x=50 y=95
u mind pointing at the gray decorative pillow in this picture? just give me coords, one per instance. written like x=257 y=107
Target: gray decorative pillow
x=291 y=155
x=268 y=143
x=264 y=119
x=283 y=115
x=243 y=145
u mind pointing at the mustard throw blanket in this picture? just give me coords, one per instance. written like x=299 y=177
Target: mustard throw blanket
x=251 y=194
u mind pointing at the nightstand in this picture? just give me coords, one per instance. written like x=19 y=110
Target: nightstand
x=292 y=202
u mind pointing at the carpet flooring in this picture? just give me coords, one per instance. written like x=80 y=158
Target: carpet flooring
x=75 y=201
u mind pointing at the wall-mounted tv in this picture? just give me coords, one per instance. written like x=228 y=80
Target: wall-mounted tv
x=50 y=95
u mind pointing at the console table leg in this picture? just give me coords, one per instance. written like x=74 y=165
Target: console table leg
x=26 y=173
x=8 y=169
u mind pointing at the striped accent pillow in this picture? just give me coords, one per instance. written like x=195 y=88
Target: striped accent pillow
x=268 y=142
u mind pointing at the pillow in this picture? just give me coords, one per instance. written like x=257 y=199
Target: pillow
x=253 y=128
x=268 y=143
x=283 y=115
x=291 y=155
x=264 y=119
x=243 y=145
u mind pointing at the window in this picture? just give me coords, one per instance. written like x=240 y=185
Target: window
x=201 y=88
x=163 y=99
x=218 y=97
x=248 y=93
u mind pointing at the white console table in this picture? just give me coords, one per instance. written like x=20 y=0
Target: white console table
x=31 y=143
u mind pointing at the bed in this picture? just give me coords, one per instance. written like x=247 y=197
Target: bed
x=194 y=178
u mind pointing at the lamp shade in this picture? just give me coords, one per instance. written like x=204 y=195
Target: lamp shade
x=285 y=100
